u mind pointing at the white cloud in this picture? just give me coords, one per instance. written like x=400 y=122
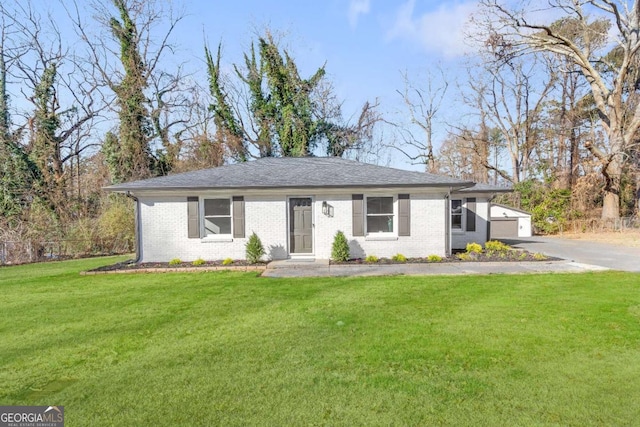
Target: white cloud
x=357 y=8
x=439 y=31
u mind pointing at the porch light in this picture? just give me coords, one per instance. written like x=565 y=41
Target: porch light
x=327 y=209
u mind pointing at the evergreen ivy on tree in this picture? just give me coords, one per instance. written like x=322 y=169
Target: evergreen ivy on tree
x=132 y=159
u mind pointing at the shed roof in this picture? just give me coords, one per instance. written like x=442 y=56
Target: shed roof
x=293 y=172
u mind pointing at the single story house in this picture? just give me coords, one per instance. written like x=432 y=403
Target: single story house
x=296 y=206
x=509 y=223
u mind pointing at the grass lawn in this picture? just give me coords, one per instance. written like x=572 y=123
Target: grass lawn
x=234 y=349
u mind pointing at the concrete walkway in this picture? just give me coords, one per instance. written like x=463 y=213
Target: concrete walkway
x=321 y=267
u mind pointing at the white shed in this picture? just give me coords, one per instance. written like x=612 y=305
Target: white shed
x=509 y=223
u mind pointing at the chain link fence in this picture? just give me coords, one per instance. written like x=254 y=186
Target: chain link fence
x=21 y=252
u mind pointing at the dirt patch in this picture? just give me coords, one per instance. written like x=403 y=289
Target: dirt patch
x=629 y=237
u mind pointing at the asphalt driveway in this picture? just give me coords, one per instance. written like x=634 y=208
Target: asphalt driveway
x=605 y=255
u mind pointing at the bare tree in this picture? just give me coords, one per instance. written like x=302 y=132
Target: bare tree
x=422 y=104
x=128 y=54
x=59 y=87
x=512 y=31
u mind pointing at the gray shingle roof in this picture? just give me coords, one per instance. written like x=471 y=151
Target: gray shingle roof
x=486 y=188
x=289 y=172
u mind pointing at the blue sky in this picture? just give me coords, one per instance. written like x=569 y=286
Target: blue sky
x=366 y=44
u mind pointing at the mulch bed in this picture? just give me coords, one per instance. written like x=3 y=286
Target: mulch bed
x=512 y=255
x=183 y=266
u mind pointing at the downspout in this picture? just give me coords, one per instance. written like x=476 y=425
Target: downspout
x=137 y=227
x=447 y=223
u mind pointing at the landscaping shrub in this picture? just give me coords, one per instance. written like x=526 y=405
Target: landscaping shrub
x=340 y=248
x=175 y=261
x=496 y=246
x=539 y=257
x=464 y=256
x=434 y=258
x=254 y=249
x=198 y=262
x=474 y=248
x=399 y=258
x=227 y=261
x=371 y=259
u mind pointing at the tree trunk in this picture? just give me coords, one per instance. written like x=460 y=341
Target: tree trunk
x=611 y=202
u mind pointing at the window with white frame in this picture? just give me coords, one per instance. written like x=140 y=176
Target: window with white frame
x=456 y=214
x=380 y=214
x=217 y=217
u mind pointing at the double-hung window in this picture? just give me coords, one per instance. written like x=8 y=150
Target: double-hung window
x=456 y=214
x=380 y=215
x=217 y=217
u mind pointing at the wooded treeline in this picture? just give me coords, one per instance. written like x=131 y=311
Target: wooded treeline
x=553 y=108
x=90 y=98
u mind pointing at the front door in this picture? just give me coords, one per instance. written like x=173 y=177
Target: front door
x=300 y=225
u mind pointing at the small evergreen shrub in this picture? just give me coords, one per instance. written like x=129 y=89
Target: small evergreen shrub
x=371 y=259
x=474 y=248
x=340 y=248
x=522 y=256
x=434 y=258
x=198 y=262
x=539 y=257
x=175 y=261
x=254 y=249
x=227 y=261
x=399 y=258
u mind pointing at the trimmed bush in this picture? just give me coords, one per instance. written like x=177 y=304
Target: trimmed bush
x=464 y=256
x=175 y=261
x=434 y=258
x=227 y=261
x=340 y=248
x=539 y=257
x=198 y=262
x=371 y=259
x=474 y=248
x=254 y=249
x=496 y=246
x=399 y=258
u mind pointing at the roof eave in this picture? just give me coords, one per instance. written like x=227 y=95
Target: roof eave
x=122 y=189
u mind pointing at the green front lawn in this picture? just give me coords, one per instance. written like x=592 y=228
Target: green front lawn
x=233 y=349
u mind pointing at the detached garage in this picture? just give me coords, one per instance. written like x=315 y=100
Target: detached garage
x=509 y=223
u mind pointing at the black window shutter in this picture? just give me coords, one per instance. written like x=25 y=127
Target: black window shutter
x=193 y=218
x=404 y=215
x=471 y=214
x=238 y=216
x=358 y=215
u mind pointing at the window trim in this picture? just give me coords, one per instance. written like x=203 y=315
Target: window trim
x=203 y=228
x=462 y=228
x=381 y=234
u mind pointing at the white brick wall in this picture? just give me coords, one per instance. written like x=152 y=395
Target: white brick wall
x=459 y=239
x=164 y=228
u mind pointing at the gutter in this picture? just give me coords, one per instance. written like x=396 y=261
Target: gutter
x=137 y=227
x=447 y=222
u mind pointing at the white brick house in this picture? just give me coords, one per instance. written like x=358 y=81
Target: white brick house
x=296 y=205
